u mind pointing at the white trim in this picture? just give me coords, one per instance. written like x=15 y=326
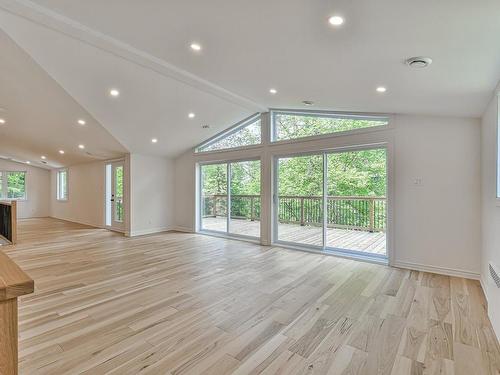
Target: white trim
x=439 y=270
x=183 y=229
x=144 y=232
x=80 y=222
x=73 y=29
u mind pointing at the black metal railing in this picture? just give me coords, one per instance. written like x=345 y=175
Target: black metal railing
x=350 y=212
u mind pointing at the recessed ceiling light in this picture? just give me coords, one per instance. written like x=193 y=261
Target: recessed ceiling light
x=2 y=121
x=336 y=20
x=114 y=92
x=81 y=147
x=191 y=115
x=28 y=162
x=273 y=91
x=195 y=47
x=308 y=102
x=81 y=122
x=61 y=152
x=43 y=157
x=381 y=89
x=205 y=126
x=154 y=140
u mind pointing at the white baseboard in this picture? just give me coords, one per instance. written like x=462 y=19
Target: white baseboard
x=182 y=229
x=144 y=232
x=79 y=222
x=439 y=270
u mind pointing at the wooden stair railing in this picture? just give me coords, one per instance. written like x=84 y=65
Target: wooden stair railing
x=13 y=284
x=8 y=221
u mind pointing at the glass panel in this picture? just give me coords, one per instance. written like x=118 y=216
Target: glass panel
x=299 y=125
x=300 y=199
x=248 y=134
x=1 y=185
x=109 y=174
x=16 y=185
x=214 y=197
x=119 y=193
x=356 y=202
x=62 y=185
x=245 y=198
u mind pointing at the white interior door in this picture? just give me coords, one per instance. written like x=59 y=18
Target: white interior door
x=115 y=207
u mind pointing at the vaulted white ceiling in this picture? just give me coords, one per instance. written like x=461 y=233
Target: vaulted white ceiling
x=142 y=48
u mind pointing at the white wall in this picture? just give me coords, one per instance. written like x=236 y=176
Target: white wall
x=37 y=189
x=85 y=202
x=436 y=224
x=490 y=211
x=151 y=194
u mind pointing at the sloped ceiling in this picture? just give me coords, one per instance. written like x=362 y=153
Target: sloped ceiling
x=41 y=118
x=142 y=48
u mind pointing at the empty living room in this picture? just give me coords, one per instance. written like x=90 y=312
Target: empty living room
x=249 y=187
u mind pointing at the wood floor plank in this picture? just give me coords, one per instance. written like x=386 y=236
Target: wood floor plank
x=187 y=304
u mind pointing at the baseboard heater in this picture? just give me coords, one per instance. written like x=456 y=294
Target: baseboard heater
x=495 y=274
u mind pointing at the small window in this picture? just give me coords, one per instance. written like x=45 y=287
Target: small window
x=62 y=185
x=294 y=125
x=246 y=133
x=498 y=147
x=16 y=185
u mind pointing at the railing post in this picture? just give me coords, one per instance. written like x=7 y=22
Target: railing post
x=215 y=207
x=252 y=213
x=372 y=214
x=302 y=223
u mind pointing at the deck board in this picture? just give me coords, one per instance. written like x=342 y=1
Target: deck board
x=374 y=243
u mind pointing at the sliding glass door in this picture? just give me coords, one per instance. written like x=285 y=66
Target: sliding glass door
x=300 y=199
x=231 y=198
x=333 y=201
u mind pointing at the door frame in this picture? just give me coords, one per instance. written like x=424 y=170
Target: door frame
x=388 y=258
x=115 y=226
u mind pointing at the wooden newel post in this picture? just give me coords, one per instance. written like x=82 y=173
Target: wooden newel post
x=13 y=283
x=302 y=211
x=372 y=214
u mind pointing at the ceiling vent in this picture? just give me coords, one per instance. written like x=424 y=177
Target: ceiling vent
x=419 y=62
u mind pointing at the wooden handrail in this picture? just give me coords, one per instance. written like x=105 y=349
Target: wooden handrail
x=13 y=283
x=349 y=212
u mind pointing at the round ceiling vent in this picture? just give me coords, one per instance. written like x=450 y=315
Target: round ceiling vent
x=308 y=102
x=419 y=62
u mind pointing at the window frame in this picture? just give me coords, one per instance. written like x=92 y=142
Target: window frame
x=4 y=187
x=199 y=193
x=497 y=155
x=230 y=131
x=345 y=115
x=58 y=198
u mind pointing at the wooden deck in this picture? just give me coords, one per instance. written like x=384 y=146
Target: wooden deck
x=185 y=304
x=374 y=243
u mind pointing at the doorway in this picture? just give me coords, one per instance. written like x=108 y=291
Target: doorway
x=114 y=205
x=333 y=201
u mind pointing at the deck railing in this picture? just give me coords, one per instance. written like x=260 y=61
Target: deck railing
x=349 y=212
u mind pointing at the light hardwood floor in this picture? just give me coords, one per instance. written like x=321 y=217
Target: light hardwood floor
x=189 y=304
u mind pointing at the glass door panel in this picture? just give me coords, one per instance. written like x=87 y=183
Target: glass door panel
x=300 y=200
x=356 y=201
x=245 y=198
x=214 y=197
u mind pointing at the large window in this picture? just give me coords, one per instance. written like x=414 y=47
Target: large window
x=294 y=125
x=62 y=185
x=230 y=198
x=246 y=133
x=333 y=201
x=13 y=185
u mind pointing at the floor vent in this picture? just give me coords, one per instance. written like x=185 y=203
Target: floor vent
x=495 y=274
